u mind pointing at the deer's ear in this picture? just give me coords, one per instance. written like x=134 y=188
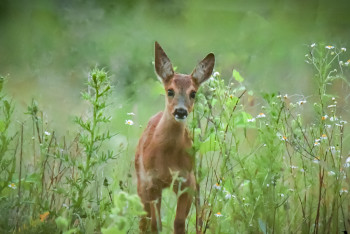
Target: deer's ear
x=204 y=69
x=162 y=64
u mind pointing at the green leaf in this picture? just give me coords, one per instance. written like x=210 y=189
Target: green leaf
x=241 y=120
x=262 y=226
x=237 y=76
x=2 y=126
x=62 y=223
x=33 y=178
x=210 y=144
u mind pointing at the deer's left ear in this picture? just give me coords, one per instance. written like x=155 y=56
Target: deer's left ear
x=204 y=69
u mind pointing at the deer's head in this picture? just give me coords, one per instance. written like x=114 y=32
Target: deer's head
x=180 y=88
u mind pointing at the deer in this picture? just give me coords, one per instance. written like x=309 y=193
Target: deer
x=164 y=145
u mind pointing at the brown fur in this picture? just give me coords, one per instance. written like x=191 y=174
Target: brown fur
x=163 y=147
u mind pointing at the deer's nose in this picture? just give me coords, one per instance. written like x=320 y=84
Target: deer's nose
x=180 y=113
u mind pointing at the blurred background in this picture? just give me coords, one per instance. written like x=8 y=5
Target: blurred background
x=47 y=47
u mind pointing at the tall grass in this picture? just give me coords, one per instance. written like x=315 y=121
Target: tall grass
x=279 y=166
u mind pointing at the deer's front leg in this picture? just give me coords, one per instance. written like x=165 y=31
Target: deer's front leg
x=184 y=203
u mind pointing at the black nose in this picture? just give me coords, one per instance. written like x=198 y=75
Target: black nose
x=180 y=113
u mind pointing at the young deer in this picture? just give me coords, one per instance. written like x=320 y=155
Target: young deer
x=164 y=146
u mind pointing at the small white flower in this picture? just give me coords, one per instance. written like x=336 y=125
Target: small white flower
x=216 y=74
x=302 y=170
x=343 y=190
x=217 y=186
x=131 y=113
x=333 y=118
x=331 y=173
x=324 y=117
x=218 y=214
x=267 y=185
x=47 y=133
x=313 y=45
x=282 y=195
x=347 y=63
x=331 y=106
x=129 y=122
x=65 y=205
x=251 y=120
x=294 y=167
x=328 y=126
x=332 y=149
x=333 y=98
x=12 y=185
x=329 y=47
x=347 y=162
x=228 y=196
x=285 y=96
x=343 y=122
x=301 y=102
x=341 y=63
x=343 y=49
x=323 y=137
x=261 y=115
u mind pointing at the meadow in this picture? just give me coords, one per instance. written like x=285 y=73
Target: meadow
x=270 y=135
x=276 y=171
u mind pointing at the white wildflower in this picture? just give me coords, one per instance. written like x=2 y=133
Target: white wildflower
x=331 y=173
x=129 y=122
x=333 y=118
x=12 y=185
x=216 y=74
x=217 y=186
x=218 y=214
x=260 y=115
x=347 y=162
x=301 y=102
x=343 y=190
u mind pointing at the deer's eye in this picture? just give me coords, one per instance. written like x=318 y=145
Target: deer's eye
x=171 y=93
x=193 y=94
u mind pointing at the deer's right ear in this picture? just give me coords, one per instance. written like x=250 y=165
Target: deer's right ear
x=162 y=64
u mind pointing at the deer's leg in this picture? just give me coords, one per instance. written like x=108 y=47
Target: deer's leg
x=184 y=203
x=145 y=219
x=156 y=223
x=154 y=195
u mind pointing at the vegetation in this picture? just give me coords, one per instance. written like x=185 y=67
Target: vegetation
x=285 y=170
x=270 y=127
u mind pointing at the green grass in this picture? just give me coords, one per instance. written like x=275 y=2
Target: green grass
x=265 y=163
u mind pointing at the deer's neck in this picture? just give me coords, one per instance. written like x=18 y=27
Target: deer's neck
x=170 y=129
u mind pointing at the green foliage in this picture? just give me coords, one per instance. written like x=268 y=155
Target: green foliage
x=90 y=138
x=283 y=170
x=126 y=210
x=272 y=167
